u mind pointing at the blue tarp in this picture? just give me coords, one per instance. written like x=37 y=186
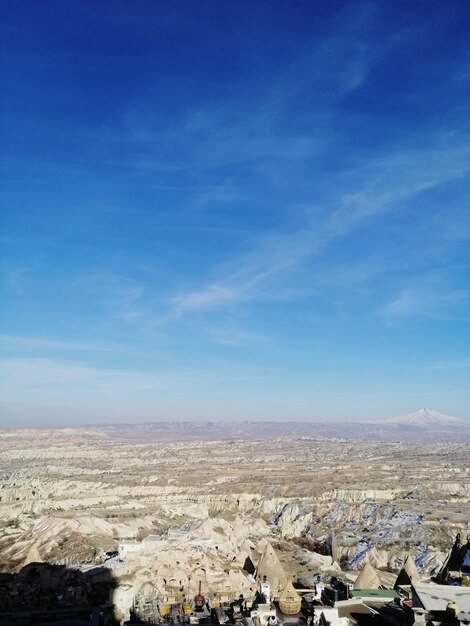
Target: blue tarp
x=419 y=561
x=466 y=562
x=358 y=556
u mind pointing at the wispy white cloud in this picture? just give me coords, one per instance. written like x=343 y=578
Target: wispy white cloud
x=421 y=300
x=249 y=128
x=16 y=342
x=234 y=337
x=386 y=181
x=274 y=256
x=378 y=187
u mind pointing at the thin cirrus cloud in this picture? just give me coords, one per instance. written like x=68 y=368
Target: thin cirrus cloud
x=274 y=256
x=17 y=342
x=438 y=293
x=396 y=178
x=424 y=300
x=247 y=128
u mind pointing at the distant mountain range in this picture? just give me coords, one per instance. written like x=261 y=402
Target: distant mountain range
x=423 y=425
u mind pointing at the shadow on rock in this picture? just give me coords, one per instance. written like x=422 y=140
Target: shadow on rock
x=42 y=594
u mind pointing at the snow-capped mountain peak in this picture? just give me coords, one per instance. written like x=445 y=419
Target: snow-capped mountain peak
x=425 y=417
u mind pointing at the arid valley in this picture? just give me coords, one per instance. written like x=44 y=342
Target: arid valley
x=64 y=485
x=180 y=512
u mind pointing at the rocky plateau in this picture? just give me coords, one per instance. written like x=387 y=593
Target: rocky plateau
x=73 y=496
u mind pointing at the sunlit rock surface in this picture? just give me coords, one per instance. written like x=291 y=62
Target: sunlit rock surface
x=73 y=496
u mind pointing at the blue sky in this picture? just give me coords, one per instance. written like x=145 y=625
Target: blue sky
x=234 y=210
